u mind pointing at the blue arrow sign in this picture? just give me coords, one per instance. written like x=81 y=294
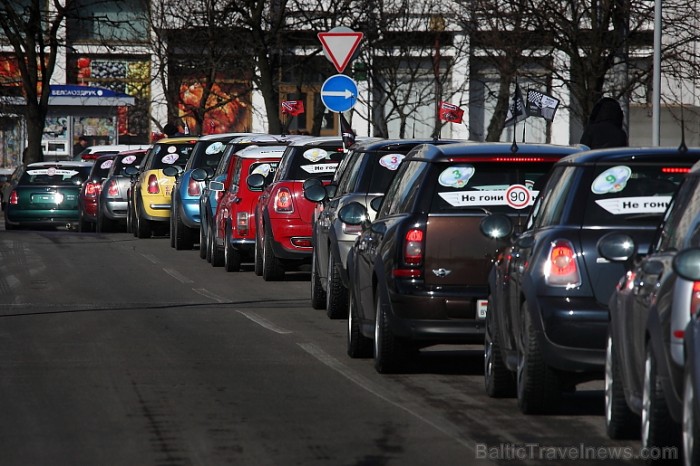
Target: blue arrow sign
x=339 y=93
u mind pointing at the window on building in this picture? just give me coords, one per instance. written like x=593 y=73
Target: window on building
x=108 y=21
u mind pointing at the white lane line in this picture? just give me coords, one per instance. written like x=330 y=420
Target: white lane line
x=442 y=425
x=177 y=275
x=263 y=322
x=209 y=294
x=150 y=257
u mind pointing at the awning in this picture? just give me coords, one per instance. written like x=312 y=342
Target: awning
x=92 y=96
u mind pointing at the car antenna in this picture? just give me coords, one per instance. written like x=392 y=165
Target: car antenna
x=514 y=146
x=682 y=148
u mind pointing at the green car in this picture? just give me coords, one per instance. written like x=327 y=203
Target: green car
x=45 y=194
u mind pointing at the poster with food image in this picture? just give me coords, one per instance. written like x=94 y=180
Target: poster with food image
x=227 y=108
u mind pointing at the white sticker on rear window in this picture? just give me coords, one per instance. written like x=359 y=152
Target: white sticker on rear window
x=482 y=198
x=391 y=161
x=51 y=171
x=170 y=159
x=456 y=176
x=263 y=169
x=316 y=155
x=635 y=205
x=320 y=168
x=129 y=159
x=172 y=149
x=106 y=164
x=215 y=148
x=612 y=180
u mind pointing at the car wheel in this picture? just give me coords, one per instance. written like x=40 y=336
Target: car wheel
x=217 y=255
x=9 y=226
x=620 y=421
x=103 y=225
x=537 y=384
x=499 y=382
x=318 y=295
x=171 y=228
x=387 y=348
x=336 y=293
x=143 y=226
x=130 y=227
x=232 y=256
x=202 y=244
x=181 y=234
x=272 y=269
x=691 y=429
x=359 y=346
x=257 y=259
x=83 y=225
x=658 y=428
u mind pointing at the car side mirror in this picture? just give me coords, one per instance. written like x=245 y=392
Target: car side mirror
x=308 y=183
x=353 y=213
x=331 y=189
x=217 y=186
x=199 y=174
x=616 y=247
x=496 y=226
x=315 y=193
x=687 y=264
x=376 y=203
x=131 y=171
x=256 y=181
x=172 y=170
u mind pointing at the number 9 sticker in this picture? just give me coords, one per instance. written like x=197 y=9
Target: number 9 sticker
x=518 y=196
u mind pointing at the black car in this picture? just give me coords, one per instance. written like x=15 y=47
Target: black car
x=547 y=323
x=649 y=312
x=418 y=273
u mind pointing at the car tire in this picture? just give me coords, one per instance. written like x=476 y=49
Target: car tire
x=336 y=293
x=83 y=225
x=620 y=421
x=104 y=224
x=216 y=255
x=182 y=235
x=658 y=427
x=537 y=384
x=171 y=228
x=130 y=220
x=691 y=429
x=202 y=243
x=318 y=294
x=358 y=345
x=257 y=259
x=499 y=382
x=232 y=256
x=272 y=269
x=387 y=348
x=143 y=226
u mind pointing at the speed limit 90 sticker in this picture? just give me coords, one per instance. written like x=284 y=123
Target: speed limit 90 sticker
x=516 y=196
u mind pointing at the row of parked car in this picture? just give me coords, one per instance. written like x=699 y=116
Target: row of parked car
x=567 y=264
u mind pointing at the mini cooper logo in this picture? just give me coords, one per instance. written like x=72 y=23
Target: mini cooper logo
x=441 y=272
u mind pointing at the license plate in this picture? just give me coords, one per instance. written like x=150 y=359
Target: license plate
x=481 y=306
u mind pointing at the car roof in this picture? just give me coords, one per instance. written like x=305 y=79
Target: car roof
x=315 y=140
x=446 y=151
x=66 y=163
x=133 y=152
x=112 y=147
x=265 y=137
x=177 y=140
x=624 y=154
x=224 y=136
x=371 y=144
x=256 y=152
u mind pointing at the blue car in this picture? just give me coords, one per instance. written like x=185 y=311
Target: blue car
x=184 y=215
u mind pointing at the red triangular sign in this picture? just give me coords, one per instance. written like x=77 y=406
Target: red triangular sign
x=340 y=47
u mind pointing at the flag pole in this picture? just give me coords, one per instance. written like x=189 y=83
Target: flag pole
x=514 y=147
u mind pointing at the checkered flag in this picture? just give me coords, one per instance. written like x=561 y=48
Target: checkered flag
x=541 y=105
x=516 y=111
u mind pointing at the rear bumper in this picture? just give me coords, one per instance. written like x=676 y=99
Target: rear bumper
x=189 y=212
x=285 y=233
x=115 y=210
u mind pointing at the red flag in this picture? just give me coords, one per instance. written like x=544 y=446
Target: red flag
x=293 y=107
x=450 y=112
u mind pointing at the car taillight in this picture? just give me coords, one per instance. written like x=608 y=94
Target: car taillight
x=694 y=303
x=92 y=189
x=351 y=229
x=242 y=223
x=153 y=187
x=113 y=189
x=14 y=198
x=412 y=254
x=193 y=188
x=283 y=201
x=561 y=269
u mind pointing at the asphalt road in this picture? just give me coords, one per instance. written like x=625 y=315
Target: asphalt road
x=122 y=351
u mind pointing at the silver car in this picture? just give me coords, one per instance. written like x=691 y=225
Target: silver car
x=113 y=201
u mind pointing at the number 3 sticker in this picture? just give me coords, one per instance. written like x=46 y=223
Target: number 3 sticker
x=518 y=196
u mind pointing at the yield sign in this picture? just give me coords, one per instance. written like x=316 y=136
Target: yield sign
x=340 y=45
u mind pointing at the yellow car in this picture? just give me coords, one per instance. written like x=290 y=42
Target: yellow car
x=152 y=186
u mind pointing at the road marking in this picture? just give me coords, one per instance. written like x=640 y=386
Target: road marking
x=150 y=257
x=177 y=275
x=263 y=322
x=210 y=295
x=442 y=425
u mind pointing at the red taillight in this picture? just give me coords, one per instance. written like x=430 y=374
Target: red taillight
x=242 y=223
x=695 y=299
x=193 y=188
x=113 y=189
x=92 y=189
x=153 y=187
x=560 y=268
x=675 y=170
x=14 y=198
x=413 y=247
x=283 y=201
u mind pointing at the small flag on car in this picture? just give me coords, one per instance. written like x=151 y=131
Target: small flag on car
x=517 y=110
x=450 y=112
x=293 y=107
x=347 y=133
x=541 y=105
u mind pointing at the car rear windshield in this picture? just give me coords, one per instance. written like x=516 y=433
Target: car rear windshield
x=206 y=154
x=487 y=185
x=629 y=193
x=302 y=163
x=266 y=169
x=121 y=162
x=166 y=155
x=381 y=167
x=101 y=168
x=55 y=176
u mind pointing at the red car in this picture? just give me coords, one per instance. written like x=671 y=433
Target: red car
x=283 y=216
x=233 y=232
x=90 y=192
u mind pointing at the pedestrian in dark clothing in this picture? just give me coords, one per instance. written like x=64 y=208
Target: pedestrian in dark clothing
x=80 y=145
x=604 y=127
